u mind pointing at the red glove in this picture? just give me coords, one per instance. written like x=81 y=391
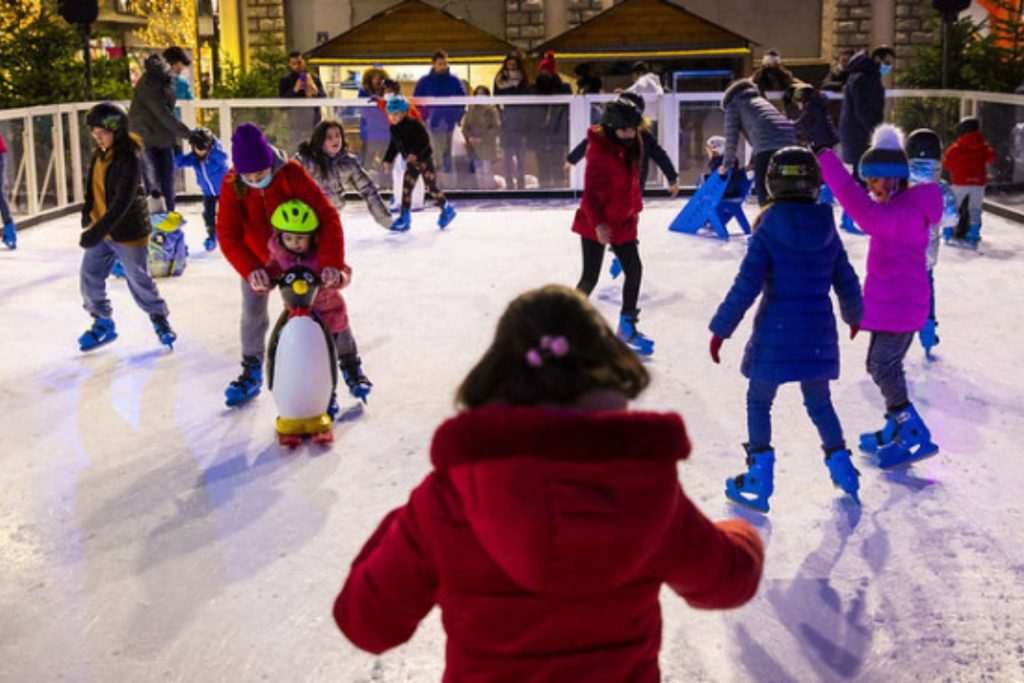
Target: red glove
x=716 y=345
x=854 y=329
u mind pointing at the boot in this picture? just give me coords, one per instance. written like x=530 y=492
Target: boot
x=102 y=332
x=447 y=215
x=911 y=442
x=844 y=474
x=753 y=488
x=402 y=223
x=870 y=442
x=635 y=339
x=352 y=371
x=928 y=338
x=10 y=235
x=163 y=330
x=248 y=384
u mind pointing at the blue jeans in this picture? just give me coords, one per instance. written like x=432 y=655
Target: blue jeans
x=96 y=264
x=210 y=214
x=817 y=400
x=885 y=365
x=159 y=173
x=5 y=209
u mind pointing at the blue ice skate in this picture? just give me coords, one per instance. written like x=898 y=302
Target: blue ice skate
x=708 y=207
x=163 y=330
x=973 y=235
x=929 y=339
x=117 y=270
x=210 y=243
x=447 y=215
x=911 y=442
x=333 y=409
x=641 y=345
x=844 y=474
x=753 y=488
x=352 y=372
x=847 y=224
x=870 y=442
x=248 y=384
x=10 y=236
x=402 y=223
x=101 y=333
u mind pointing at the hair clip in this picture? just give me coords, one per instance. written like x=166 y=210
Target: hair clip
x=557 y=347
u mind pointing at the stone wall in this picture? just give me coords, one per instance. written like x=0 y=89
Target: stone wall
x=524 y=23
x=579 y=11
x=264 y=25
x=915 y=26
x=854 y=20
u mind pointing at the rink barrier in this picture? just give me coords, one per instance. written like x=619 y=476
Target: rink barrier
x=48 y=182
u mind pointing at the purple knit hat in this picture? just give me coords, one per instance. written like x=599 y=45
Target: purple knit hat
x=250 y=151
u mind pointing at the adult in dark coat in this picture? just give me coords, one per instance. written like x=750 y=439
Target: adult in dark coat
x=152 y=118
x=441 y=121
x=512 y=80
x=299 y=83
x=863 y=102
x=814 y=123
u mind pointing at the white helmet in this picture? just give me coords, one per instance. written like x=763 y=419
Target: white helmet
x=716 y=143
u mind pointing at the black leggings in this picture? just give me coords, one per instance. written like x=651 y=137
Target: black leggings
x=629 y=258
x=413 y=170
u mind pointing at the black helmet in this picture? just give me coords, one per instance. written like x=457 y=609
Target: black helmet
x=924 y=144
x=634 y=99
x=621 y=113
x=802 y=92
x=968 y=125
x=793 y=174
x=108 y=116
x=201 y=138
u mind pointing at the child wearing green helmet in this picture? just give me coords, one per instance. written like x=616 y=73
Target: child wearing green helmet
x=294 y=243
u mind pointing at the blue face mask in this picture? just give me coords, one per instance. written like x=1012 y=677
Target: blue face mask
x=261 y=184
x=885 y=69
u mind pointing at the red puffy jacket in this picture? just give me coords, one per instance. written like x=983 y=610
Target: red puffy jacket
x=611 y=190
x=545 y=535
x=966 y=159
x=243 y=223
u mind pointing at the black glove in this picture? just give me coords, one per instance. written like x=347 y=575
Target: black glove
x=91 y=237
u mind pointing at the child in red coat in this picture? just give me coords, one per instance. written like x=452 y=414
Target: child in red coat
x=552 y=518
x=966 y=160
x=610 y=210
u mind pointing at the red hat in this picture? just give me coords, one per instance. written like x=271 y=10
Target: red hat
x=548 y=63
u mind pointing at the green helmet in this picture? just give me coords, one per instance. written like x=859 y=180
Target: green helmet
x=295 y=216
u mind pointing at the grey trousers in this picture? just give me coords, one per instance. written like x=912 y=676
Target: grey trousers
x=96 y=264
x=256 y=322
x=885 y=365
x=976 y=194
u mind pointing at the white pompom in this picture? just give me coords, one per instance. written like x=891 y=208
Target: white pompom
x=887 y=136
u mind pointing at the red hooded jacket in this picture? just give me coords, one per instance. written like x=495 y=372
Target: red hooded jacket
x=545 y=535
x=966 y=159
x=611 y=190
x=243 y=223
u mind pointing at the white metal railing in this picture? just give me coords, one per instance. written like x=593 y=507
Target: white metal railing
x=52 y=136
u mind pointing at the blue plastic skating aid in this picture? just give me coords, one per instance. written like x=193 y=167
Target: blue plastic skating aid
x=911 y=442
x=708 y=208
x=929 y=339
x=101 y=333
x=402 y=223
x=844 y=474
x=117 y=270
x=248 y=384
x=825 y=196
x=753 y=488
x=615 y=269
x=447 y=215
x=870 y=442
x=163 y=330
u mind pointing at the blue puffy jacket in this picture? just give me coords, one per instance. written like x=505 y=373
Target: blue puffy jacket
x=441 y=85
x=794 y=259
x=210 y=171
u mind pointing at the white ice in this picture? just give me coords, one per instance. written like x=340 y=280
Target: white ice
x=149 y=533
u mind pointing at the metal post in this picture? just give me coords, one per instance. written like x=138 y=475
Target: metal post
x=58 y=150
x=579 y=122
x=225 y=127
x=76 y=157
x=668 y=131
x=31 y=181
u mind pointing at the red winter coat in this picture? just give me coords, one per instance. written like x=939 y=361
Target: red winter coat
x=966 y=159
x=328 y=304
x=243 y=223
x=611 y=190
x=545 y=535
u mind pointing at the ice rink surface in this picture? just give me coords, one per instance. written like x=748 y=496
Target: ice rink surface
x=147 y=533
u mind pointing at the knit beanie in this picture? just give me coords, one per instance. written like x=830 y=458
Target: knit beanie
x=250 y=151
x=548 y=63
x=771 y=58
x=397 y=105
x=885 y=158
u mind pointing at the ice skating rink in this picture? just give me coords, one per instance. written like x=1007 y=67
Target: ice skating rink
x=147 y=533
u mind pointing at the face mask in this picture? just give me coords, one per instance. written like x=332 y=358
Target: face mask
x=261 y=184
x=885 y=69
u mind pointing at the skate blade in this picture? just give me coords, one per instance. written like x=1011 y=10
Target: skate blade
x=923 y=453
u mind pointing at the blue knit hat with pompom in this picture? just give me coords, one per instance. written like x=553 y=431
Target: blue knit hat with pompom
x=886 y=158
